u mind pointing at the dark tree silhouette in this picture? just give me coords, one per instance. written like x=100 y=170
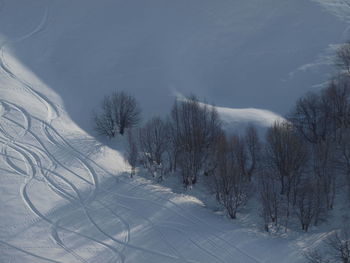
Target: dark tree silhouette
x=120 y=111
x=154 y=141
x=343 y=57
x=195 y=128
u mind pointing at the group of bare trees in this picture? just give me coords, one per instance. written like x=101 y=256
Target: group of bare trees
x=298 y=166
x=183 y=143
x=297 y=171
x=189 y=142
x=285 y=158
x=195 y=128
x=330 y=146
x=306 y=157
x=199 y=147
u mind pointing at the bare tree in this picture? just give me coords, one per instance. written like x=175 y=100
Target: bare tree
x=253 y=146
x=343 y=57
x=154 y=141
x=132 y=154
x=270 y=198
x=286 y=154
x=307 y=204
x=173 y=148
x=311 y=118
x=120 y=111
x=195 y=127
x=337 y=98
x=231 y=183
x=322 y=156
x=105 y=122
x=337 y=95
x=239 y=152
x=344 y=160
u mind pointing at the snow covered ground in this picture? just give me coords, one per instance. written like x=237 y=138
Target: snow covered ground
x=65 y=197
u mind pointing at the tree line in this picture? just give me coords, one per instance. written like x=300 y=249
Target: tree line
x=298 y=169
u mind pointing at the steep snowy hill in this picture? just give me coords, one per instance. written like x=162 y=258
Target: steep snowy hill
x=67 y=198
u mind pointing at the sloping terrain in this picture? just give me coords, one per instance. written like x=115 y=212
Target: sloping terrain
x=67 y=198
x=236 y=54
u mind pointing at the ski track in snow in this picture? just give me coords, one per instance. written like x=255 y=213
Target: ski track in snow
x=29 y=253
x=41 y=165
x=51 y=108
x=32 y=160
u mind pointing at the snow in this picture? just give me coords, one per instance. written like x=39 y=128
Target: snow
x=238 y=119
x=65 y=197
x=227 y=53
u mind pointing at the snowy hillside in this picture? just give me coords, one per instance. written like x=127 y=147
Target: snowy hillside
x=67 y=198
x=237 y=54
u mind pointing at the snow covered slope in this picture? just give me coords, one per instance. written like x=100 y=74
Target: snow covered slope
x=237 y=120
x=237 y=54
x=64 y=196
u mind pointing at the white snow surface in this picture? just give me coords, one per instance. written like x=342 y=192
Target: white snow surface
x=65 y=197
x=236 y=120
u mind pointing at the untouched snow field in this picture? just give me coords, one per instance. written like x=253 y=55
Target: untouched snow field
x=67 y=198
